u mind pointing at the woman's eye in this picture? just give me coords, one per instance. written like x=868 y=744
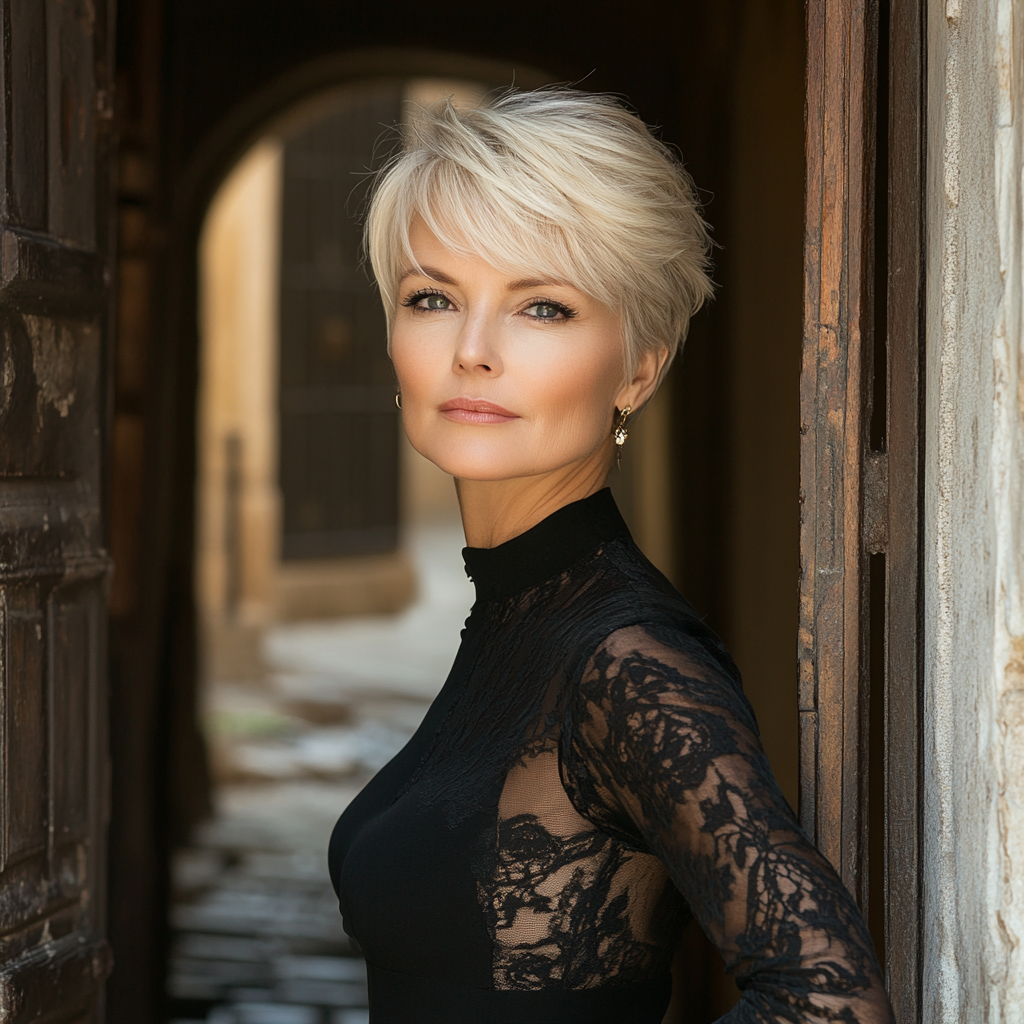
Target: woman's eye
x=545 y=311
x=433 y=301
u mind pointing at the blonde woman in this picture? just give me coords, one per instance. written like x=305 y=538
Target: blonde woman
x=590 y=777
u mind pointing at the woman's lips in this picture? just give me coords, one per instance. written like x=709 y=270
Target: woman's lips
x=475 y=410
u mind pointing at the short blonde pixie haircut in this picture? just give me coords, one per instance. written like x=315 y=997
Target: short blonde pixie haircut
x=557 y=182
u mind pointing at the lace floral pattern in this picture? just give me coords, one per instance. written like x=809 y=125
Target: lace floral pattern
x=666 y=750
x=570 y=905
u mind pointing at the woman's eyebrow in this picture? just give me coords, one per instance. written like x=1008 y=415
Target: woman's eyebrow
x=431 y=272
x=513 y=286
x=533 y=282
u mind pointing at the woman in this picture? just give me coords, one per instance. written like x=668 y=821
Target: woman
x=590 y=776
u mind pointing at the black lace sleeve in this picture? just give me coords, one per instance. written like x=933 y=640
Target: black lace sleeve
x=663 y=750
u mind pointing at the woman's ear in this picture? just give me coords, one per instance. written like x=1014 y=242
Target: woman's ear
x=645 y=379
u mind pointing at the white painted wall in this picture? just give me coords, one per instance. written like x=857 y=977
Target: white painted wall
x=974 y=538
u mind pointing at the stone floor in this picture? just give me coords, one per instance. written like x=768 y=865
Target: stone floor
x=257 y=938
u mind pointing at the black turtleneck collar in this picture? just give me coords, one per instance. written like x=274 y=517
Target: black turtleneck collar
x=547 y=549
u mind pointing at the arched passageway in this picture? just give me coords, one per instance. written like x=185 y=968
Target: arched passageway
x=329 y=590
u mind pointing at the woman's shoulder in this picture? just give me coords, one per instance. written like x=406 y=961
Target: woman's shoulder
x=656 y=698
x=654 y=621
x=652 y=664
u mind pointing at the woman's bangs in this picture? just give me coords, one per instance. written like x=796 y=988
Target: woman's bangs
x=507 y=235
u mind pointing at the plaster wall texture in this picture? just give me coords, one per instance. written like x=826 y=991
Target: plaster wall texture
x=974 y=513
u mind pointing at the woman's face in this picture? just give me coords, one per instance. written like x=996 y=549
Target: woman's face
x=504 y=376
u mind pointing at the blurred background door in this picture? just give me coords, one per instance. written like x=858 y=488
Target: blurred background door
x=338 y=420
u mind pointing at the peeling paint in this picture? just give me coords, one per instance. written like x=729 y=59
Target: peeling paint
x=1005 y=62
x=53 y=363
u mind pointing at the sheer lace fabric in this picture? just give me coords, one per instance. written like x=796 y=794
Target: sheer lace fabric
x=666 y=750
x=600 y=734
x=556 y=879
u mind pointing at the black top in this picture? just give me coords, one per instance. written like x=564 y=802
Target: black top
x=588 y=779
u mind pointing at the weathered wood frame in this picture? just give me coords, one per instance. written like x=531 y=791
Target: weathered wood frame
x=860 y=479
x=56 y=244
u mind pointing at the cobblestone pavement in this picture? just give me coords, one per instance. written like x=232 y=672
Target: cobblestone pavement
x=257 y=937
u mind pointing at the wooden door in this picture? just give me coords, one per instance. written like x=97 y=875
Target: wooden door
x=339 y=423
x=861 y=457
x=54 y=300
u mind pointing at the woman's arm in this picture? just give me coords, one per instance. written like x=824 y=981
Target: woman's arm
x=665 y=745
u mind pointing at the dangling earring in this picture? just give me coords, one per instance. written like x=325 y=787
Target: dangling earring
x=398 y=399
x=620 y=433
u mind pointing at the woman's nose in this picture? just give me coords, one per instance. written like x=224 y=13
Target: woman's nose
x=477 y=348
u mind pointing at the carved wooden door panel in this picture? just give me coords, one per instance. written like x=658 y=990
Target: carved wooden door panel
x=861 y=456
x=54 y=300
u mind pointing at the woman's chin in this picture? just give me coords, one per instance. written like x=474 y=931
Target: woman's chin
x=472 y=469
x=486 y=464
x=507 y=462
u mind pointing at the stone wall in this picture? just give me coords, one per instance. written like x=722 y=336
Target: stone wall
x=974 y=511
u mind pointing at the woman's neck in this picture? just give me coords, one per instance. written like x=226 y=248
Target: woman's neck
x=494 y=511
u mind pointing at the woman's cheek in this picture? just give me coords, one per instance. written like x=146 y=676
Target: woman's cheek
x=408 y=363
x=576 y=401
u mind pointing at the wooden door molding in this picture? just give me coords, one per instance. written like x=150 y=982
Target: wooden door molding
x=837 y=311
x=55 y=273
x=861 y=392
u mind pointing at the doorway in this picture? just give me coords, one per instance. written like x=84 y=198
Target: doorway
x=731 y=549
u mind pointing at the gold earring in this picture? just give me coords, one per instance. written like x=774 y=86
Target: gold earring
x=398 y=399
x=620 y=433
